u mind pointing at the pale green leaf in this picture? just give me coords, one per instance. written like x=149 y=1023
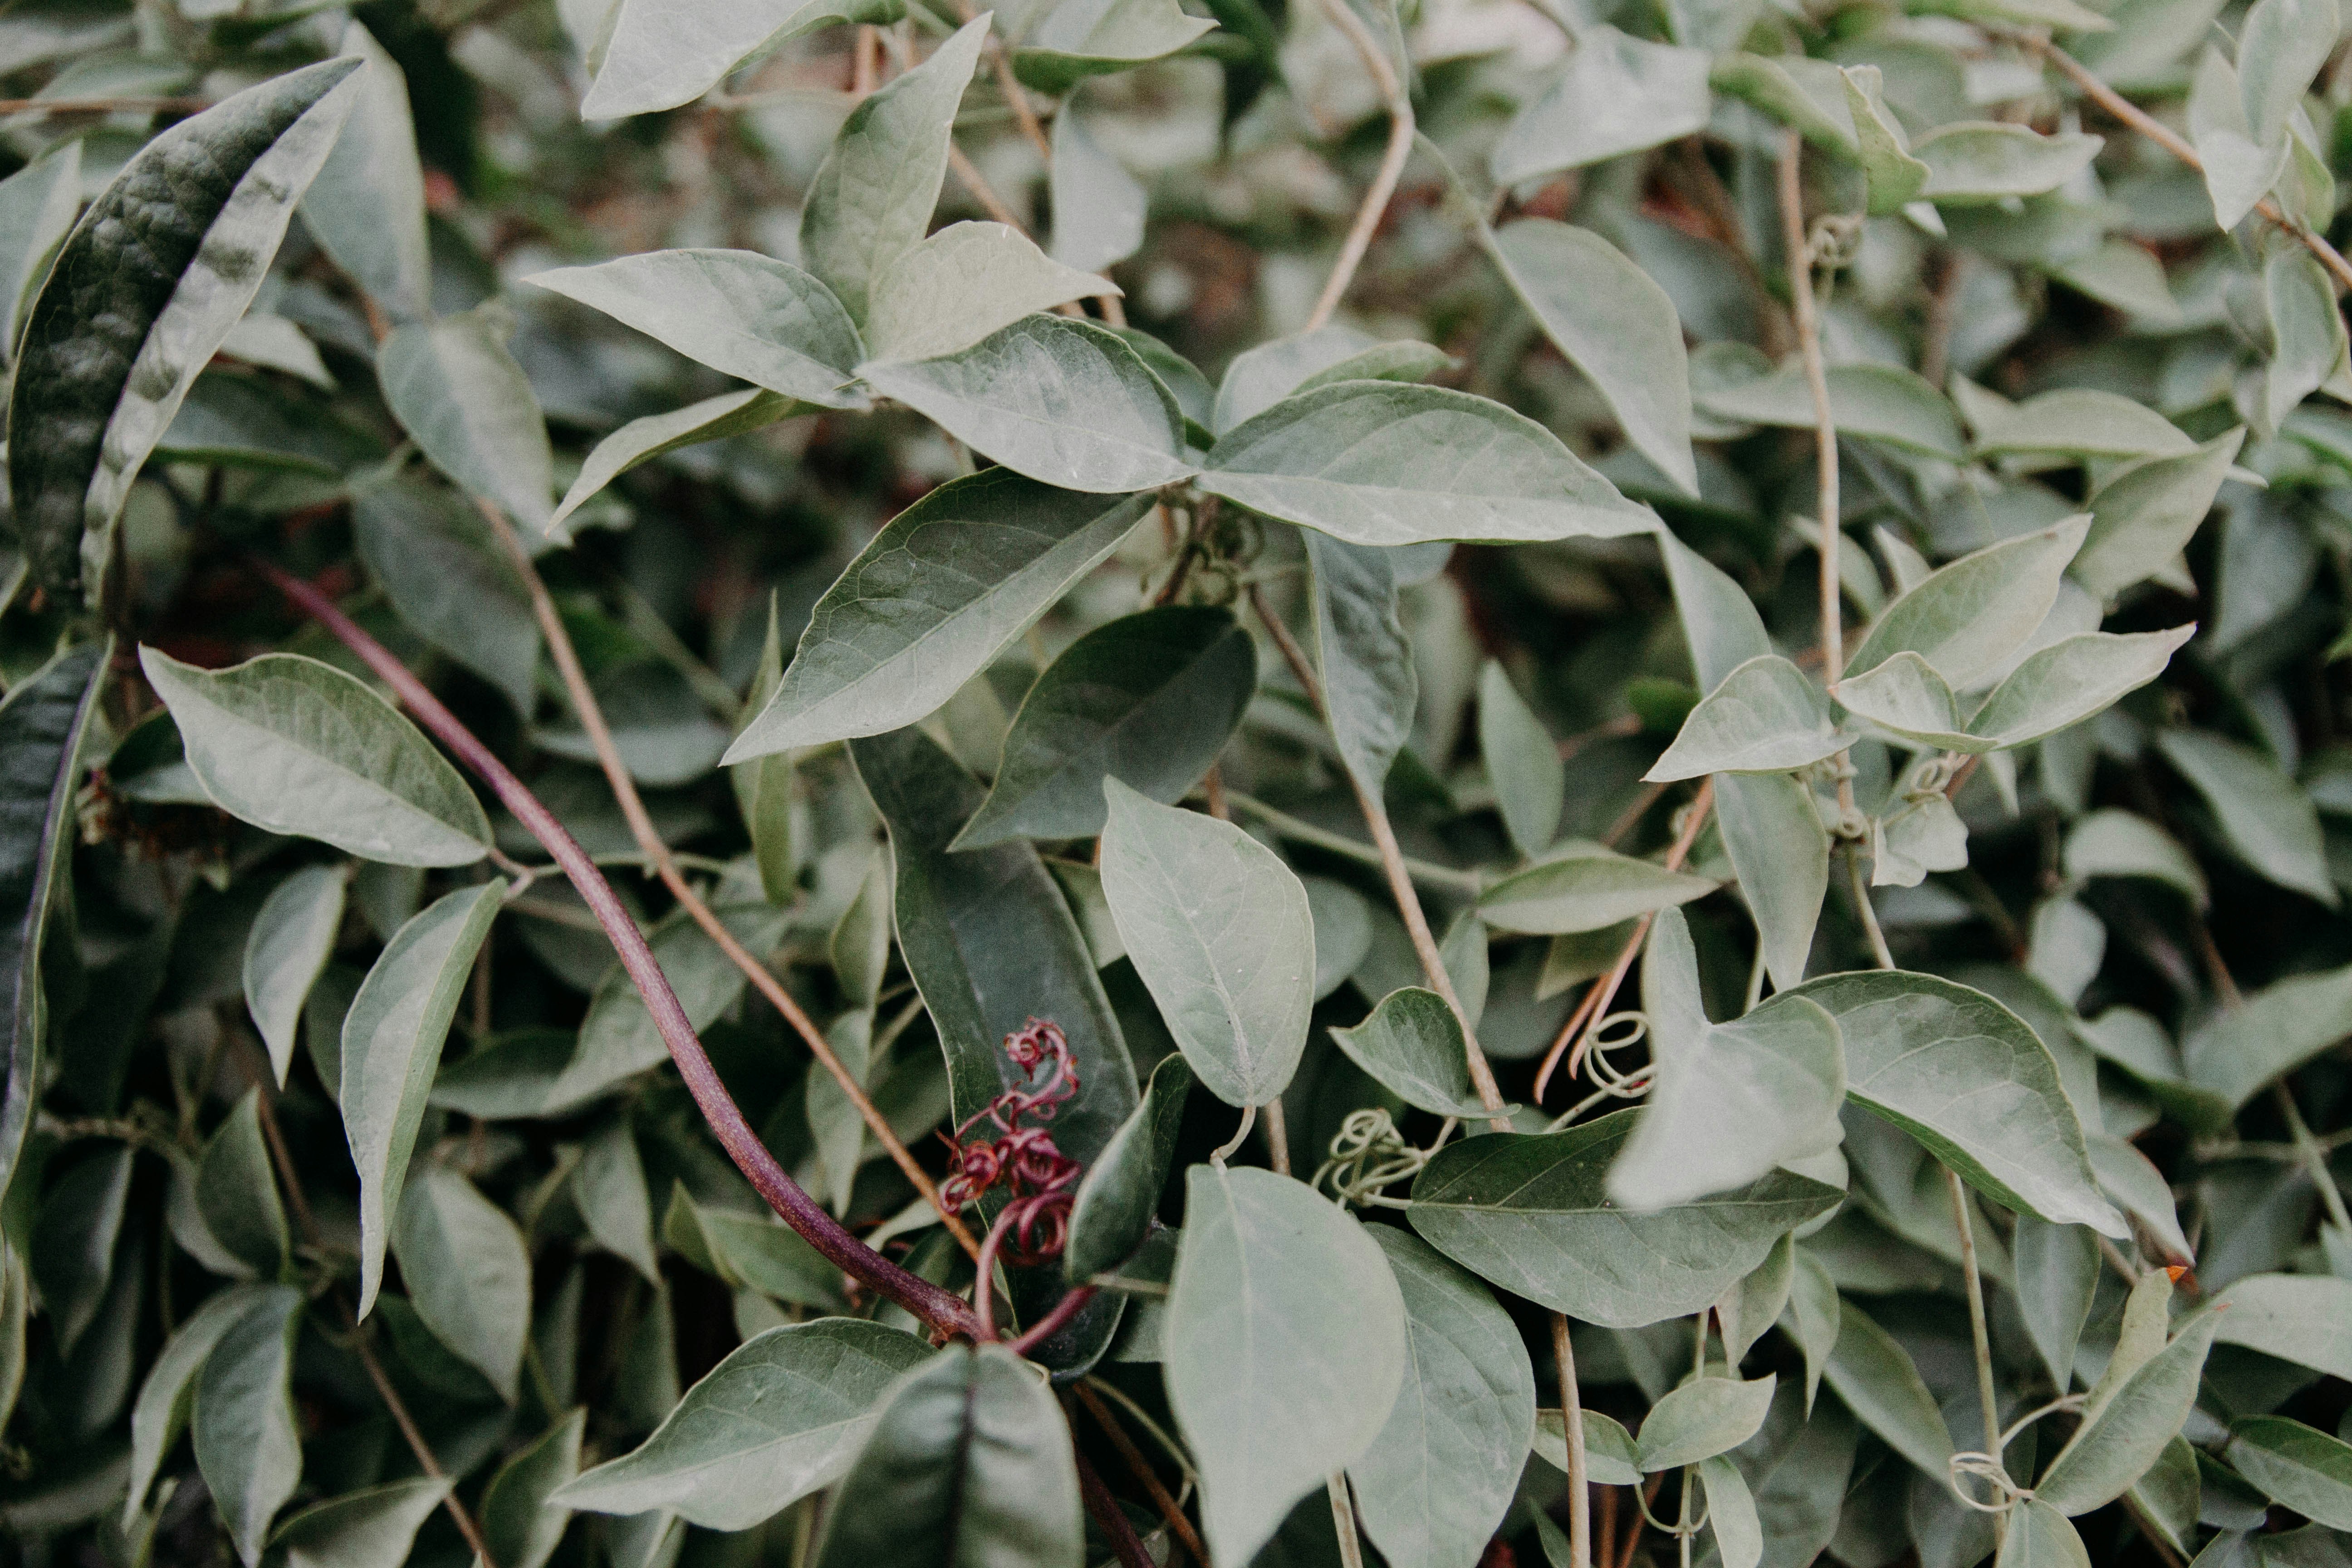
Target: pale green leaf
x=642 y=440
x=2281 y=46
x=520 y=1524
x=2143 y=514
x=1876 y=1379
x=2278 y=1028
x=38 y=204
x=1895 y=176
x=2263 y=815
x=2238 y=169
x=2040 y=1536
x=1608 y=1447
x=2302 y=1318
x=1969 y=618
x=247 y=1444
x=1412 y=1046
x=2120 y=1438
x=2057 y=1272
x=1371 y=683
x=2296 y=1466
x=946 y=294
x=1879 y=403
x=1780 y=850
x=1765 y=717
x=2070 y=680
x=1719 y=621
x=467 y=1273
x=1079 y=38
x=1989 y=160
x=288 y=945
x=664 y=53
x=2080 y=422
x=1704 y=1417
x=618 y=1039
x=372 y=1528
x=1731 y=1513
x=1099 y=207
x=433 y=556
x=459 y=393
x=1523 y=763
x=366 y=206
x=1583 y=887
x=169 y=1394
x=609 y=1183
x=2307 y=336
x=237 y=1192
x=1618 y=94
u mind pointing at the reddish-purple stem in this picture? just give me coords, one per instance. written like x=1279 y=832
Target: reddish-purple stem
x=803 y=1213
x=1052 y=1324
x=1108 y=1517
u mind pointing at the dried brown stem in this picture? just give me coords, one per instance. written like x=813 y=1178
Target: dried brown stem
x=1571 y=1419
x=1399 y=104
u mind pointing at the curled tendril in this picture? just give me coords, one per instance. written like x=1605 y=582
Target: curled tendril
x=1040 y=1182
x=2007 y=1494
x=1618 y=1032
x=1368 y=1155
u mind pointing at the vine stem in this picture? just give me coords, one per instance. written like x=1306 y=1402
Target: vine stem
x=1393 y=863
x=1107 y=1516
x=1343 y=1520
x=1140 y=1468
x=944 y=1311
x=1988 y=1395
x=1446 y=878
x=665 y=865
x=1571 y=1420
x=2164 y=136
x=1392 y=170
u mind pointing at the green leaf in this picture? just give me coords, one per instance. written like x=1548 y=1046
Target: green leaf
x=859 y=944
x=1531 y=1214
x=434 y=558
x=1809 y=96
x=930 y=602
x=1779 y=851
x=1614 y=323
x=642 y=440
x=1719 y=621
x=1218 y=927
x=469 y=408
x=779 y=1418
x=1876 y=1378
x=392 y=1042
x=1704 y=1417
x=1412 y=1045
x=764 y=786
x=1895 y=177
x=247 y=1443
x=749 y=1251
x=1149 y=700
x=38 y=205
x=1879 y=403
x=2263 y=815
x=291 y=939
x=1362 y=655
x=43 y=718
x=609 y=1184
x=1099 y=207
x=2070 y=680
x=2295 y=1466
x=2145 y=513
x=948 y=293
x=1988 y=161
x=1079 y=38
x=2281 y=47
x=2119 y=1439
x=1969 y=618
x=1730 y=1102
x=297 y=746
x=467 y=1272
x=1380 y=463
x=521 y=1523
x=1970 y=1080
x=1617 y=95
x=2057 y=1272
x=237 y=1194
x=1523 y=764
x=968 y=1462
x=618 y=1039
x=373 y=1528
x=1117 y=1199
x=747 y=315
x=871 y=197
x=1731 y=1513
x=991 y=943
x=2079 y=422
x=2307 y=333
x=2040 y=1536
x=1066 y=402
x=1608 y=1447
x=664 y=53
x=1905 y=696
x=1814 y=1319
x=1437 y=1481
x=1765 y=717
x=2302 y=1318
x=367 y=207
x=1285 y=1347
x=169 y=1394
x=154 y=277
x=2241 y=1050
x=71 y=1248
x=1583 y=887
x=1743 y=1312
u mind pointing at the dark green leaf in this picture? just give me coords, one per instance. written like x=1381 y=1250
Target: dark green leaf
x=169 y=1394
x=2303 y=1468
x=1118 y=1198
x=521 y=1523
x=1874 y=1375
x=71 y=1245
x=370 y=1529
x=1361 y=653
x=434 y=559
x=291 y=939
x=1412 y=1046
x=247 y=1443
x=467 y=1272
x=237 y=1193
x=455 y=387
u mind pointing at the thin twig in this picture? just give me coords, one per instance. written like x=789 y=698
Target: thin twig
x=1987 y=1394
x=981 y=191
x=1343 y=1520
x=665 y=865
x=760 y=1167
x=1393 y=863
x=1444 y=877
x=1571 y=1420
x=1179 y=1523
x=1108 y=1517
x=1399 y=104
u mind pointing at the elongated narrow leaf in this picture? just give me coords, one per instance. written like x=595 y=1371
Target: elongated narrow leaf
x=1970 y=1080
x=291 y=938
x=780 y=1416
x=1987 y=162
x=662 y=53
x=247 y=1444
x=1099 y=207
x=873 y=195
x=467 y=1273
x=1218 y=927
x=2072 y=680
x=168 y=1396
x=1149 y=700
x=297 y=746
x=71 y=1250
x=1532 y=1214
x=1765 y=717
x=1373 y=462
x=2143 y=514
x=1780 y=850
x=1583 y=887
x=1435 y=1483
x=1285 y=1346
x=367 y=207
x=2057 y=1269
x=38 y=205
x=1523 y=764
x=752 y=317
x=948 y=293
x=642 y=440
x=1615 y=324
x=1115 y=1206
x=615 y=1202
x=990 y=944
x=1412 y=1046
x=391 y=1045
x=925 y=607
x=1730 y=1100
x=42 y=721
x=2305 y=1469
x=372 y=1528
x=433 y=555
x=1879 y=403
x=1874 y=1375
x=152 y=280
x=2081 y=422
x=455 y=387
x=2119 y=1439
x=1968 y=617
x=1066 y=402
x=968 y=1461
x=618 y=1039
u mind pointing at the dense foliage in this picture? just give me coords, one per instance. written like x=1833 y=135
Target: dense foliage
x=833 y=783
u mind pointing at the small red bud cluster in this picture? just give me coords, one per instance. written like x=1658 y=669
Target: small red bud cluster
x=1040 y=1182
